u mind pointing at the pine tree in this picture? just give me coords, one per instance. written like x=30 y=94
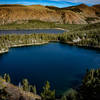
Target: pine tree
x=48 y=94
x=7 y=78
x=25 y=85
x=33 y=89
x=64 y=98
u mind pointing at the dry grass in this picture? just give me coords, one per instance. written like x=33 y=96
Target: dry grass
x=12 y=13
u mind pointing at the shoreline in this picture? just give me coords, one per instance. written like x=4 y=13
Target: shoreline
x=21 y=45
x=82 y=46
x=34 y=29
x=4 y=51
x=42 y=43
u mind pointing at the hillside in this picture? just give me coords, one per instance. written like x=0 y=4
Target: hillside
x=9 y=91
x=81 y=14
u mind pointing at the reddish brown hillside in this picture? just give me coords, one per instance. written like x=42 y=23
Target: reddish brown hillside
x=97 y=7
x=80 y=14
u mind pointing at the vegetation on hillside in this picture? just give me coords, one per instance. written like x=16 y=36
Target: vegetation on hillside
x=87 y=35
x=83 y=35
x=30 y=24
x=14 y=40
x=25 y=90
x=48 y=94
x=88 y=90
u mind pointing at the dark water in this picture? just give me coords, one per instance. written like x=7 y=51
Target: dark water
x=62 y=65
x=55 y=31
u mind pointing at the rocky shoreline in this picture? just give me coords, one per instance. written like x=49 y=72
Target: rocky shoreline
x=36 y=28
x=42 y=43
x=79 y=45
x=3 y=50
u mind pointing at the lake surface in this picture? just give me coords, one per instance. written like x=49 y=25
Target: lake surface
x=61 y=64
x=55 y=31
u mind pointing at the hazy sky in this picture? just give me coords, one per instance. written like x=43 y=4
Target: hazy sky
x=59 y=3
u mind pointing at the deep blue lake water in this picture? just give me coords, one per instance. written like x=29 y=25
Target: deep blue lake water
x=55 y=31
x=61 y=64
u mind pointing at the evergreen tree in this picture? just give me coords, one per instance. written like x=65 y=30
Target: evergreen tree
x=64 y=98
x=33 y=89
x=7 y=78
x=90 y=88
x=25 y=85
x=48 y=94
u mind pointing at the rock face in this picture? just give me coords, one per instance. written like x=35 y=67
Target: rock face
x=81 y=14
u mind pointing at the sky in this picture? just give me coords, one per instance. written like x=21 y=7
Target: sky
x=58 y=3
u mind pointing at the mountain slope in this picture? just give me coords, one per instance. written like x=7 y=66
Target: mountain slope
x=81 y=14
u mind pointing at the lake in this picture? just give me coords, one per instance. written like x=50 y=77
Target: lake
x=55 y=31
x=63 y=65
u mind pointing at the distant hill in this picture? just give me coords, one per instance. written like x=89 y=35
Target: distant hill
x=81 y=14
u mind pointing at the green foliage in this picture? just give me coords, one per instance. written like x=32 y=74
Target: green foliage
x=71 y=94
x=31 y=24
x=25 y=85
x=88 y=19
x=88 y=36
x=48 y=94
x=64 y=98
x=11 y=40
x=7 y=78
x=90 y=89
x=33 y=89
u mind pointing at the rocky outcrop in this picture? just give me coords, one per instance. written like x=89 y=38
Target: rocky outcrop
x=12 y=92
